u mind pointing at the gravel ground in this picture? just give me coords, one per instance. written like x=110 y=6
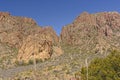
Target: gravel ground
x=64 y=59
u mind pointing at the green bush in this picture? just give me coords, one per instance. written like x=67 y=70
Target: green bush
x=104 y=69
x=39 y=60
x=21 y=63
x=30 y=61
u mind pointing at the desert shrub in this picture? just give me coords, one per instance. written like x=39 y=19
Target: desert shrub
x=39 y=60
x=21 y=63
x=104 y=69
x=30 y=61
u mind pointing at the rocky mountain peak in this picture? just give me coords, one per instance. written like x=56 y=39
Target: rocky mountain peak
x=4 y=14
x=84 y=18
x=98 y=32
x=24 y=36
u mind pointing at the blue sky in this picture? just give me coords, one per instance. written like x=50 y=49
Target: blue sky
x=56 y=13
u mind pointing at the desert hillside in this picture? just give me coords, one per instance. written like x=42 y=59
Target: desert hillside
x=21 y=39
x=93 y=33
x=62 y=57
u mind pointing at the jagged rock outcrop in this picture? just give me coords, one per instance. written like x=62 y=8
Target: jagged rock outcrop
x=14 y=29
x=35 y=46
x=40 y=46
x=27 y=38
x=93 y=33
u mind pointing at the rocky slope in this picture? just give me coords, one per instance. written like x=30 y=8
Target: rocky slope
x=93 y=33
x=21 y=39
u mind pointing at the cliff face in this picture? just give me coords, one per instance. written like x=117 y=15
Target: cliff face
x=40 y=45
x=96 y=33
x=23 y=35
x=14 y=29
